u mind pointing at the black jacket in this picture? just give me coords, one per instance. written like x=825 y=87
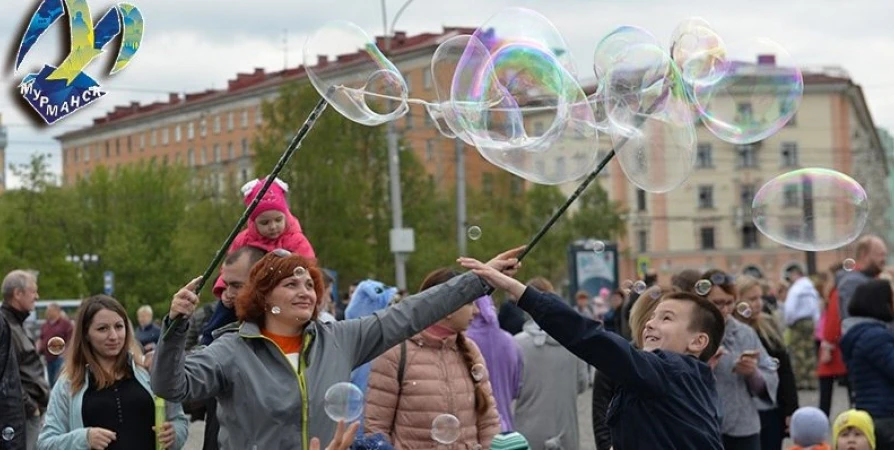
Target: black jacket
x=35 y=387
x=665 y=400
x=603 y=391
x=12 y=415
x=787 y=391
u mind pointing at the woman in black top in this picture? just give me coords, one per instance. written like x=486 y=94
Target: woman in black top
x=102 y=399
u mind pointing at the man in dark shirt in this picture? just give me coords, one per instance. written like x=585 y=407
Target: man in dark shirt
x=12 y=415
x=667 y=398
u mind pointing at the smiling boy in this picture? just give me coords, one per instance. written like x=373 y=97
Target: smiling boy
x=668 y=398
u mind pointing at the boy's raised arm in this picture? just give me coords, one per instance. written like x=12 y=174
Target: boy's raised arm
x=587 y=339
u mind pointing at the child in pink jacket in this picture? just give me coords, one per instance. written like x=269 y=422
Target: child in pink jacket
x=270 y=226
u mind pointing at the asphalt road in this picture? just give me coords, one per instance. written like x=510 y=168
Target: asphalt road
x=808 y=398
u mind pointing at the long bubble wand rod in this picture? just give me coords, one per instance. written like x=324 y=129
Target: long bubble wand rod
x=586 y=183
x=294 y=145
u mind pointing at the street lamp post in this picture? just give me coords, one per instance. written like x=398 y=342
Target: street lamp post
x=402 y=239
x=82 y=261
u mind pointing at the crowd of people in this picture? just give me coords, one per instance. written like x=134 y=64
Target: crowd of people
x=710 y=360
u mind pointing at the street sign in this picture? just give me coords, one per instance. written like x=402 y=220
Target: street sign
x=108 y=279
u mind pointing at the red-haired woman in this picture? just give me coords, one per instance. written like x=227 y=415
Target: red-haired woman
x=445 y=373
x=102 y=399
x=269 y=374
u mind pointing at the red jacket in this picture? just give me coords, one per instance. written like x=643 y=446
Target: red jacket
x=292 y=239
x=61 y=327
x=831 y=335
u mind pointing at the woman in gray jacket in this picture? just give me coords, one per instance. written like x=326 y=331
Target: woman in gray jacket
x=270 y=374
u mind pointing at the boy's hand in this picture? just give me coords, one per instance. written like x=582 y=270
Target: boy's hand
x=492 y=275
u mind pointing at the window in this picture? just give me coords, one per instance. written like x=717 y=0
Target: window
x=129 y=146
x=515 y=186
x=118 y=146
x=153 y=138
x=408 y=122
x=706 y=197
x=789 y=154
x=487 y=183
x=107 y=149
x=744 y=113
x=203 y=127
x=230 y=121
x=74 y=153
x=640 y=200
x=426 y=79
x=746 y=194
x=164 y=136
x=750 y=236
x=178 y=135
x=216 y=153
x=707 y=235
x=560 y=167
x=245 y=150
x=191 y=157
x=746 y=156
x=791 y=196
x=191 y=131
x=792 y=232
x=259 y=116
x=243 y=118
x=230 y=153
x=600 y=155
x=87 y=153
x=202 y=155
x=540 y=165
x=217 y=124
x=704 y=159
x=642 y=241
x=429 y=150
x=244 y=174
x=538 y=128
x=142 y=142
x=427 y=120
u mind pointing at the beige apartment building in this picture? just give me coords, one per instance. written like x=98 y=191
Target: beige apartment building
x=4 y=139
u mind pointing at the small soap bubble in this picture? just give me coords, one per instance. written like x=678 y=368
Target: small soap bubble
x=478 y=372
x=774 y=364
x=300 y=271
x=474 y=232
x=343 y=401
x=702 y=287
x=56 y=345
x=8 y=434
x=639 y=287
x=627 y=285
x=598 y=247
x=849 y=264
x=655 y=294
x=718 y=279
x=445 y=429
x=275 y=310
x=744 y=310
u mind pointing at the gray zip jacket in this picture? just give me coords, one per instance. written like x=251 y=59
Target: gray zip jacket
x=265 y=404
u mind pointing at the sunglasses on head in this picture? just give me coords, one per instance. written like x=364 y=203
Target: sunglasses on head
x=722 y=279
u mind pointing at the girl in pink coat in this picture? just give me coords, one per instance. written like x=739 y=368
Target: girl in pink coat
x=270 y=226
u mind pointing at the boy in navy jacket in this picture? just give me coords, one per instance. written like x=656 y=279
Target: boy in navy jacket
x=668 y=399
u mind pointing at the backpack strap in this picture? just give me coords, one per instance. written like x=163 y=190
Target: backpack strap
x=401 y=368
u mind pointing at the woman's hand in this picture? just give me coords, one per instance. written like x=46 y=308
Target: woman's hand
x=342 y=440
x=166 y=436
x=185 y=300
x=492 y=274
x=99 y=438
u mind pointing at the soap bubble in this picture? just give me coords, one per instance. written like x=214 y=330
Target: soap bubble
x=655 y=294
x=594 y=246
x=703 y=287
x=474 y=232
x=840 y=209
x=751 y=100
x=445 y=429
x=744 y=310
x=849 y=264
x=343 y=401
x=718 y=279
x=639 y=287
x=773 y=364
x=275 y=310
x=8 y=434
x=56 y=345
x=478 y=372
x=516 y=96
x=300 y=271
x=698 y=51
x=363 y=85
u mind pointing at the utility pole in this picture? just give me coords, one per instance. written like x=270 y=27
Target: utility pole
x=809 y=221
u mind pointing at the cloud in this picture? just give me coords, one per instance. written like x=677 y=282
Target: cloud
x=198 y=44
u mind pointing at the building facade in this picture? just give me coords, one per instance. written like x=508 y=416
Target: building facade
x=4 y=140
x=888 y=145
x=214 y=130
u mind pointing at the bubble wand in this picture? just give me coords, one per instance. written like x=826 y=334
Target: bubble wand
x=294 y=145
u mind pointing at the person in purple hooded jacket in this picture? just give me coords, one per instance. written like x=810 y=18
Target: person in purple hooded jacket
x=502 y=356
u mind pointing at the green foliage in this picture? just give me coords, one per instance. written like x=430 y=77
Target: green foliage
x=158 y=226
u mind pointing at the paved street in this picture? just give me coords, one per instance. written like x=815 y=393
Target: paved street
x=839 y=404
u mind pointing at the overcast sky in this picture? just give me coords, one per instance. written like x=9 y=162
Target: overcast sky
x=198 y=44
